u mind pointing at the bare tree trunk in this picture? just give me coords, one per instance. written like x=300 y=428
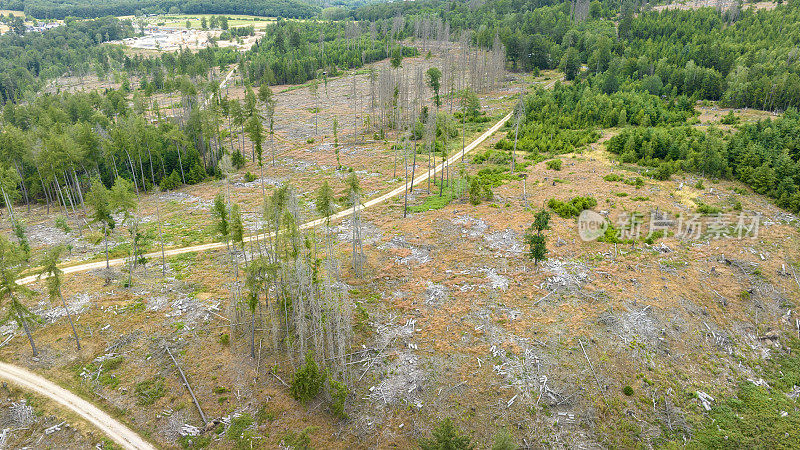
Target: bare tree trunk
x=69 y=316
x=30 y=337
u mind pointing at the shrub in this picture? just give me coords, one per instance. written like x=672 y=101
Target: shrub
x=338 y=393
x=573 y=207
x=61 y=224
x=702 y=208
x=730 y=119
x=249 y=177
x=301 y=440
x=627 y=390
x=237 y=159
x=663 y=172
x=149 y=391
x=173 y=181
x=504 y=440
x=637 y=182
x=446 y=436
x=479 y=191
x=307 y=381
x=224 y=339
x=554 y=164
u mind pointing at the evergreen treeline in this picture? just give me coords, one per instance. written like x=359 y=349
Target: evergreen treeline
x=59 y=9
x=763 y=155
x=744 y=57
x=53 y=147
x=168 y=71
x=29 y=59
x=564 y=118
x=294 y=52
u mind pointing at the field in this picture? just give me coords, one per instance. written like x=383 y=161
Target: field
x=600 y=345
x=195 y=20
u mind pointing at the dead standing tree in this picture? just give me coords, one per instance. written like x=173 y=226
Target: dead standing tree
x=354 y=191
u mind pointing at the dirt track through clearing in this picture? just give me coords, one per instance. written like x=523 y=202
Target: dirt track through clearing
x=311 y=224
x=115 y=430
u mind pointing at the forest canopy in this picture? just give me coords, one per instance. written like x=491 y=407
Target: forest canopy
x=55 y=9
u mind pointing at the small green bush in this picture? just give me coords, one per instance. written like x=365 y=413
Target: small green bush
x=61 y=224
x=307 y=381
x=573 y=207
x=338 y=393
x=149 y=391
x=225 y=339
x=730 y=119
x=446 y=436
x=702 y=208
x=479 y=191
x=627 y=390
x=554 y=164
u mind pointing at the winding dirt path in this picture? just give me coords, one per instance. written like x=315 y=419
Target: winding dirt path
x=115 y=430
x=311 y=224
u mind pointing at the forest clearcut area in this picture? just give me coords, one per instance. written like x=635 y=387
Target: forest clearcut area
x=424 y=224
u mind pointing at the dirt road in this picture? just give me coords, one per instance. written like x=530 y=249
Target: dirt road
x=116 y=431
x=338 y=216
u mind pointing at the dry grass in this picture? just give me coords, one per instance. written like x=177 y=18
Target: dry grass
x=469 y=333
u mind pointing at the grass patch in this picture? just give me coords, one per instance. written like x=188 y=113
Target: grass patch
x=432 y=202
x=757 y=416
x=149 y=391
x=239 y=433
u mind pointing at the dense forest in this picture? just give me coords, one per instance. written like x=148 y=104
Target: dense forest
x=29 y=59
x=294 y=52
x=744 y=57
x=55 y=9
x=565 y=118
x=762 y=155
x=55 y=145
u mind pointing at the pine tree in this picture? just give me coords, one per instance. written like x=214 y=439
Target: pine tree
x=220 y=213
x=123 y=201
x=11 y=292
x=446 y=437
x=533 y=237
x=434 y=81
x=100 y=202
x=50 y=270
